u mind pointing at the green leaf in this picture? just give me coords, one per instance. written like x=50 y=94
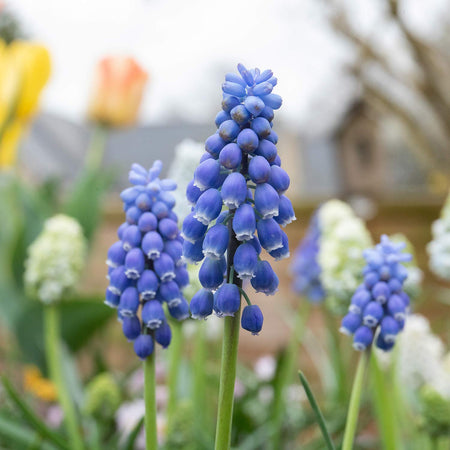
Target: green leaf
x=40 y=427
x=319 y=416
x=129 y=445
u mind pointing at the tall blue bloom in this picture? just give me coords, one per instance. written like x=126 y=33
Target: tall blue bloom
x=379 y=306
x=146 y=262
x=242 y=164
x=305 y=268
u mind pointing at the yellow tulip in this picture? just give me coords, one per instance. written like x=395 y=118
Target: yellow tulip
x=36 y=384
x=118 y=89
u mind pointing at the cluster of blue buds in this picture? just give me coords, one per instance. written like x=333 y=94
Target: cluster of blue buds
x=379 y=306
x=238 y=201
x=145 y=267
x=305 y=267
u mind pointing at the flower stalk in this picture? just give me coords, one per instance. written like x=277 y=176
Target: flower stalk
x=174 y=370
x=151 y=440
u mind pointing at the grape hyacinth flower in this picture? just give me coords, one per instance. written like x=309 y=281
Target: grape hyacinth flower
x=305 y=268
x=146 y=269
x=239 y=186
x=379 y=305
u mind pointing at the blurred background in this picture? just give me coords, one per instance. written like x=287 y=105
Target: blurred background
x=365 y=117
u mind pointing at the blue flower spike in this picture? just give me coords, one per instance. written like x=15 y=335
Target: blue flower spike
x=146 y=268
x=378 y=308
x=226 y=232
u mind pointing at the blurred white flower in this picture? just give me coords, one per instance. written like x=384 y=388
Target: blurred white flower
x=265 y=394
x=239 y=389
x=55 y=259
x=187 y=155
x=265 y=368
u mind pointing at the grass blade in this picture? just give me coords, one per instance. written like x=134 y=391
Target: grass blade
x=319 y=416
x=129 y=445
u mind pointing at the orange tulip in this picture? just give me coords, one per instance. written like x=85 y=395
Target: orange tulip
x=118 y=89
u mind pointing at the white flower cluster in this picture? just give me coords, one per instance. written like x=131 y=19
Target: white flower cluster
x=343 y=237
x=55 y=259
x=187 y=156
x=439 y=247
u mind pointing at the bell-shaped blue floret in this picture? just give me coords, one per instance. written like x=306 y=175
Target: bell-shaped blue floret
x=231 y=156
x=221 y=116
x=261 y=127
x=168 y=228
x=372 y=314
x=131 y=327
x=254 y=105
x=216 y=241
x=147 y=222
x=286 y=213
x=269 y=234
x=229 y=102
x=370 y=279
x=181 y=276
x=164 y=267
x=118 y=281
x=350 y=323
x=131 y=237
x=134 y=263
x=160 y=210
x=234 y=190
x=264 y=278
x=214 y=144
x=264 y=88
x=192 y=229
x=240 y=114
x=266 y=201
x=244 y=222
x=112 y=300
x=202 y=303
x=143 y=346
x=247 y=140
x=116 y=255
x=252 y=319
x=206 y=174
x=143 y=201
x=133 y=214
x=152 y=244
x=383 y=344
x=359 y=301
x=174 y=249
x=267 y=149
x=208 y=206
x=153 y=314
x=170 y=292
x=129 y=302
x=211 y=273
x=259 y=169
x=193 y=253
x=163 y=335
x=389 y=329
x=235 y=89
x=227 y=300
x=396 y=307
x=192 y=193
x=272 y=100
x=279 y=179
x=245 y=261
x=229 y=130
x=381 y=292
x=121 y=230
x=147 y=284
x=180 y=311
x=362 y=338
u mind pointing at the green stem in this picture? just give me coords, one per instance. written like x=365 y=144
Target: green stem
x=199 y=381
x=151 y=440
x=97 y=145
x=355 y=399
x=174 y=371
x=54 y=357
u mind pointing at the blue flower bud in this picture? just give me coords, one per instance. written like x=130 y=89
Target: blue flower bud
x=273 y=137
x=153 y=314
x=227 y=300
x=269 y=234
x=406 y=300
x=147 y=222
x=193 y=253
x=143 y=201
x=385 y=272
x=245 y=74
x=214 y=144
x=273 y=81
x=129 y=302
x=389 y=329
x=264 y=88
x=267 y=150
x=244 y=222
x=395 y=286
x=111 y=299
x=147 y=284
x=286 y=213
x=245 y=261
x=221 y=117
x=248 y=140
x=363 y=338
x=192 y=193
x=116 y=255
x=264 y=76
x=130 y=194
x=360 y=300
x=211 y=273
x=229 y=130
x=168 y=228
x=233 y=89
x=234 y=190
x=121 y=230
x=276 y=161
x=264 y=279
x=383 y=344
x=216 y=241
x=272 y=100
x=254 y=105
x=163 y=335
x=152 y=244
x=131 y=327
x=256 y=244
x=192 y=229
x=381 y=292
x=372 y=314
x=230 y=156
x=370 y=279
x=206 y=156
x=181 y=276
x=168 y=199
x=137 y=178
x=164 y=267
x=118 y=281
x=133 y=214
x=266 y=201
x=134 y=263
x=259 y=169
x=170 y=292
x=283 y=251
x=240 y=114
x=252 y=319
x=267 y=113
x=396 y=307
x=208 y=206
x=174 y=249
x=202 y=304
x=279 y=179
x=180 y=311
x=229 y=102
x=167 y=185
x=131 y=237
x=160 y=210
x=206 y=174
x=261 y=127
x=350 y=323
x=235 y=79
x=143 y=346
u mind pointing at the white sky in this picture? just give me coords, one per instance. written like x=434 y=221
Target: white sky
x=188 y=45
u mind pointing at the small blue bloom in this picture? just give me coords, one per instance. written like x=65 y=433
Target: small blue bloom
x=245 y=261
x=231 y=156
x=168 y=229
x=202 y=303
x=181 y=276
x=360 y=300
x=216 y=241
x=163 y=335
x=247 y=139
x=143 y=201
x=179 y=311
x=152 y=244
x=131 y=327
x=265 y=279
x=381 y=292
x=121 y=230
x=279 y=179
x=118 y=281
x=389 y=328
x=147 y=222
x=350 y=323
x=129 y=302
x=133 y=214
x=267 y=149
x=252 y=319
x=261 y=127
x=283 y=251
x=193 y=253
x=254 y=105
x=193 y=230
x=384 y=344
x=143 y=346
x=206 y=174
x=164 y=267
x=259 y=169
x=147 y=284
x=234 y=190
x=227 y=300
x=211 y=273
x=116 y=255
x=229 y=102
x=267 y=201
x=134 y=263
x=111 y=299
x=372 y=314
x=174 y=249
x=240 y=114
x=131 y=237
x=208 y=206
x=396 y=307
x=244 y=222
x=286 y=214
x=362 y=338
x=229 y=130
x=192 y=193
x=153 y=314
x=269 y=234
x=214 y=144
x=170 y=292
